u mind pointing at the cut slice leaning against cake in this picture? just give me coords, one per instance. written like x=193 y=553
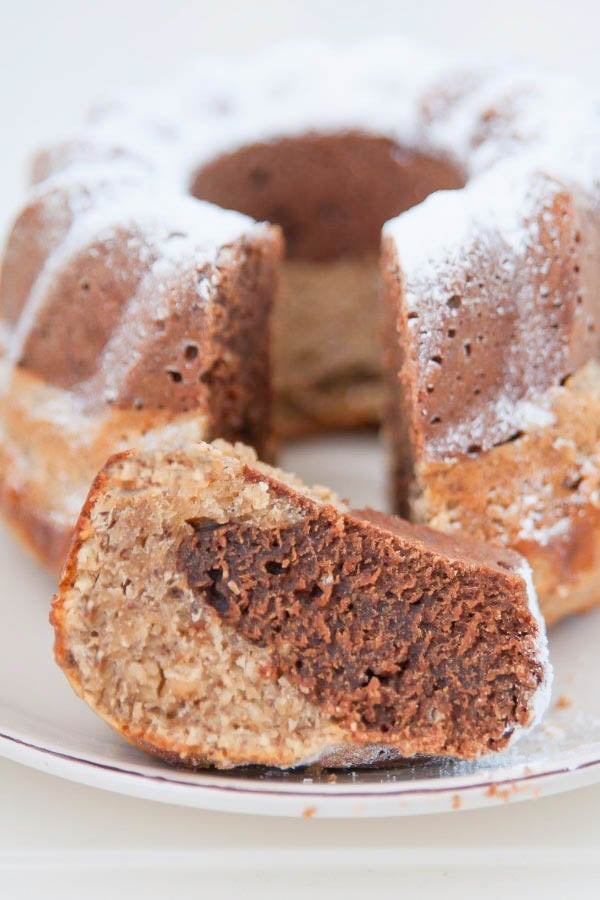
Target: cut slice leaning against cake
x=215 y=611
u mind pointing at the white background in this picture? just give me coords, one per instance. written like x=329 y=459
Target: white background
x=59 y=839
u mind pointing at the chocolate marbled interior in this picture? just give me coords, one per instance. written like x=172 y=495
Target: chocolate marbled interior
x=391 y=636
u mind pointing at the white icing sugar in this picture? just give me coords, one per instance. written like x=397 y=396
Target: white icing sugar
x=350 y=755
x=543 y=535
x=490 y=228
x=172 y=256
x=513 y=110
x=168 y=233
x=434 y=237
x=175 y=435
x=541 y=699
x=221 y=104
x=530 y=415
x=511 y=131
x=474 y=114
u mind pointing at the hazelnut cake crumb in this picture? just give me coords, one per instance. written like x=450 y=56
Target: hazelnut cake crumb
x=216 y=611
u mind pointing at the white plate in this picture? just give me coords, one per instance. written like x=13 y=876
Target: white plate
x=43 y=724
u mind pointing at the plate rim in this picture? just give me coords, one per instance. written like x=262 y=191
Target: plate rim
x=64 y=745
x=291 y=799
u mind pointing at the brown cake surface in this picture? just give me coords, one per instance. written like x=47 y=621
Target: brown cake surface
x=491 y=358
x=217 y=612
x=147 y=326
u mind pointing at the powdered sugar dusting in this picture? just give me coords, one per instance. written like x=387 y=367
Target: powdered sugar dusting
x=541 y=699
x=515 y=134
x=488 y=234
x=220 y=104
x=167 y=234
x=474 y=114
x=531 y=415
x=531 y=530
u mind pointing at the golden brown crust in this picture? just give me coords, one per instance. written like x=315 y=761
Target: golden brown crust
x=539 y=494
x=67 y=577
x=51 y=450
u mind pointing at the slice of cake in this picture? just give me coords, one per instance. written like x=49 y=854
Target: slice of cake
x=215 y=611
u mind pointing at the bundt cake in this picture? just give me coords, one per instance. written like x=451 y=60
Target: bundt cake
x=216 y=611
x=491 y=328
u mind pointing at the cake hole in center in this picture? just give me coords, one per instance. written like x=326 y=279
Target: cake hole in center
x=331 y=195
